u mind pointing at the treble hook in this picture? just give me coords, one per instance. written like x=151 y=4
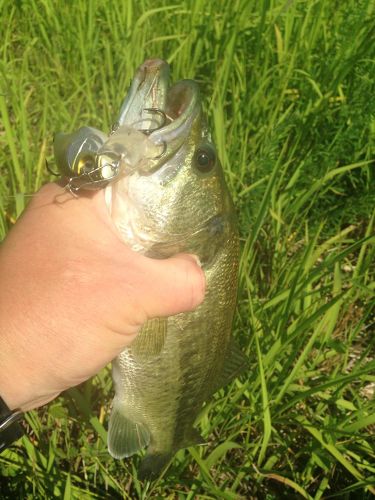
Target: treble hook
x=87 y=181
x=164 y=144
x=159 y=112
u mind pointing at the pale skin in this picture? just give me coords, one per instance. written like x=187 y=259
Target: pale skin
x=73 y=295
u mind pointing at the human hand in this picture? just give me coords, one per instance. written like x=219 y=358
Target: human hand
x=73 y=295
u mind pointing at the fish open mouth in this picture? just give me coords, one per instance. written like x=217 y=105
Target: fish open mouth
x=164 y=113
x=154 y=122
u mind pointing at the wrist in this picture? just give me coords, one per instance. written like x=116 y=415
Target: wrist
x=12 y=389
x=18 y=377
x=10 y=381
x=18 y=387
x=19 y=370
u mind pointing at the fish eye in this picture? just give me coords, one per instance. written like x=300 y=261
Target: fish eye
x=205 y=158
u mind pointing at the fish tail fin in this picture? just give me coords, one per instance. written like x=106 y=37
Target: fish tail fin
x=193 y=438
x=153 y=464
x=125 y=437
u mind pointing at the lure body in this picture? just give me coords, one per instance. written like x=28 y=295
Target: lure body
x=89 y=159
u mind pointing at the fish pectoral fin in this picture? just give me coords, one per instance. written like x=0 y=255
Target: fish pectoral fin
x=150 y=341
x=235 y=363
x=125 y=437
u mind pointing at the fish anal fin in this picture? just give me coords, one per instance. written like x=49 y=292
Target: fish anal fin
x=235 y=363
x=125 y=437
x=150 y=341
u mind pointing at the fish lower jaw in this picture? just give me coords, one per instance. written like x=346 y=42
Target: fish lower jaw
x=125 y=215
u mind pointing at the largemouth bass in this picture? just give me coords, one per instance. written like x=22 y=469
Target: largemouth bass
x=166 y=194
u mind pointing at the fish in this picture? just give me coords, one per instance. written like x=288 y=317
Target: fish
x=177 y=202
x=166 y=195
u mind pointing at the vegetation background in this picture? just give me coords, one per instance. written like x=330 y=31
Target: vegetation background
x=288 y=87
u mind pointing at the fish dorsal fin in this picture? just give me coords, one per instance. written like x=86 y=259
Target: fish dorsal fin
x=151 y=339
x=235 y=363
x=125 y=437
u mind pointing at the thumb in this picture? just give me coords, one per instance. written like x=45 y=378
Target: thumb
x=172 y=285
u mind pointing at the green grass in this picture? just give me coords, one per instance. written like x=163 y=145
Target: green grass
x=289 y=91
